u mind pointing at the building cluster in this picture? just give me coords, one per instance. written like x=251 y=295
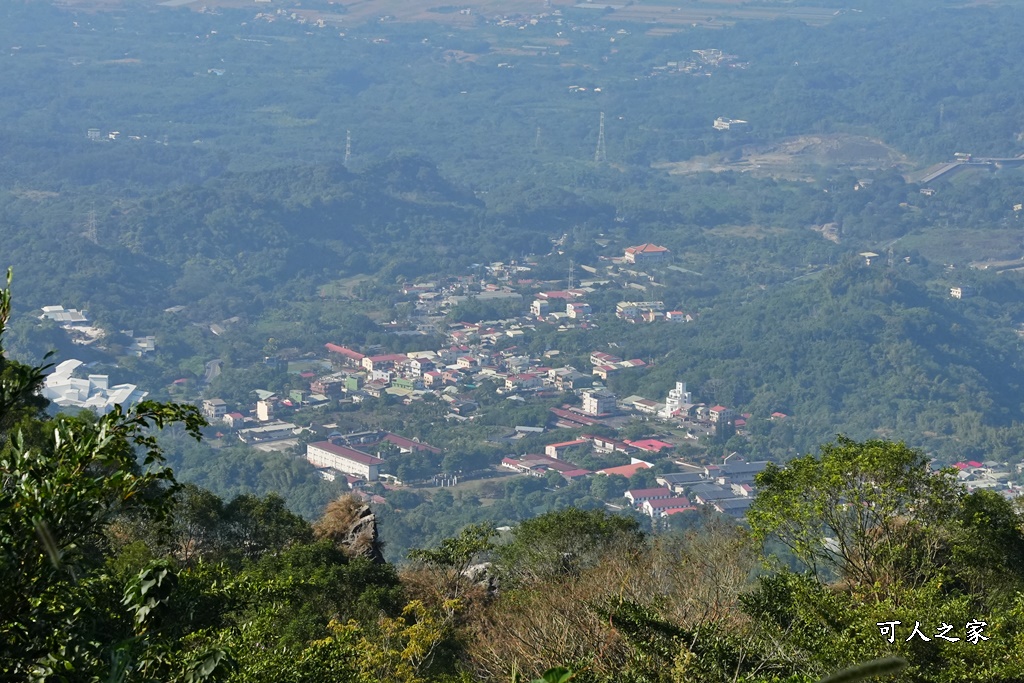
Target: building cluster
x=510 y=285
x=991 y=475
x=696 y=419
x=74 y=322
x=93 y=392
x=78 y=327
x=489 y=352
x=727 y=488
x=703 y=63
x=648 y=312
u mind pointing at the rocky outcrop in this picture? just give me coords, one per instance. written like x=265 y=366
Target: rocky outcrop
x=352 y=526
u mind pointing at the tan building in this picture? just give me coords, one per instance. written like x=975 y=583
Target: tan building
x=264 y=411
x=343 y=459
x=214 y=409
x=645 y=253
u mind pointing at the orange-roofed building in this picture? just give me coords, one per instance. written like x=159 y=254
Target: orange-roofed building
x=626 y=471
x=645 y=253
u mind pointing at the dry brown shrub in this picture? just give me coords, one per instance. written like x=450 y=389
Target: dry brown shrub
x=688 y=581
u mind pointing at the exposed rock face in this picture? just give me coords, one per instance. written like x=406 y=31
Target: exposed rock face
x=362 y=537
x=481 y=576
x=352 y=526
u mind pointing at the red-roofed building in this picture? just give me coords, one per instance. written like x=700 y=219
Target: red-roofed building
x=555 y=450
x=651 y=445
x=676 y=511
x=724 y=420
x=742 y=490
x=639 y=496
x=645 y=253
x=574 y=418
x=577 y=309
x=347 y=353
x=601 y=358
x=626 y=471
x=234 y=420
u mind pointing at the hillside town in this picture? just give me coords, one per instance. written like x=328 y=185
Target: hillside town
x=651 y=449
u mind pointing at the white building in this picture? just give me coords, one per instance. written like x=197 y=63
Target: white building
x=343 y=459
x=264 y=411
x=63 y=316
x=214 y=409
x=275 y=431
x=722 y=123
x=960 y=292
x=94 y=393
x=676 y=398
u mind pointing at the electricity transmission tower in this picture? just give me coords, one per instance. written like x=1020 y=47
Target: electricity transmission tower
x=90 y=232
x=600 y=154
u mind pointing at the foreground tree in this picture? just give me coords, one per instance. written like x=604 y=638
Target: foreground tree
x=896 y=560
x=869 y=513
x=63 y=482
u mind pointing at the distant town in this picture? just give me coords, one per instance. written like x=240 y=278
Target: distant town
x=486 y=351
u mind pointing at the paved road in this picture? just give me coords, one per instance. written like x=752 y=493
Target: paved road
x=212 y=370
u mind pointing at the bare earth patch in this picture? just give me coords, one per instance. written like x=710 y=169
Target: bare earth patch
x=796 y=158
